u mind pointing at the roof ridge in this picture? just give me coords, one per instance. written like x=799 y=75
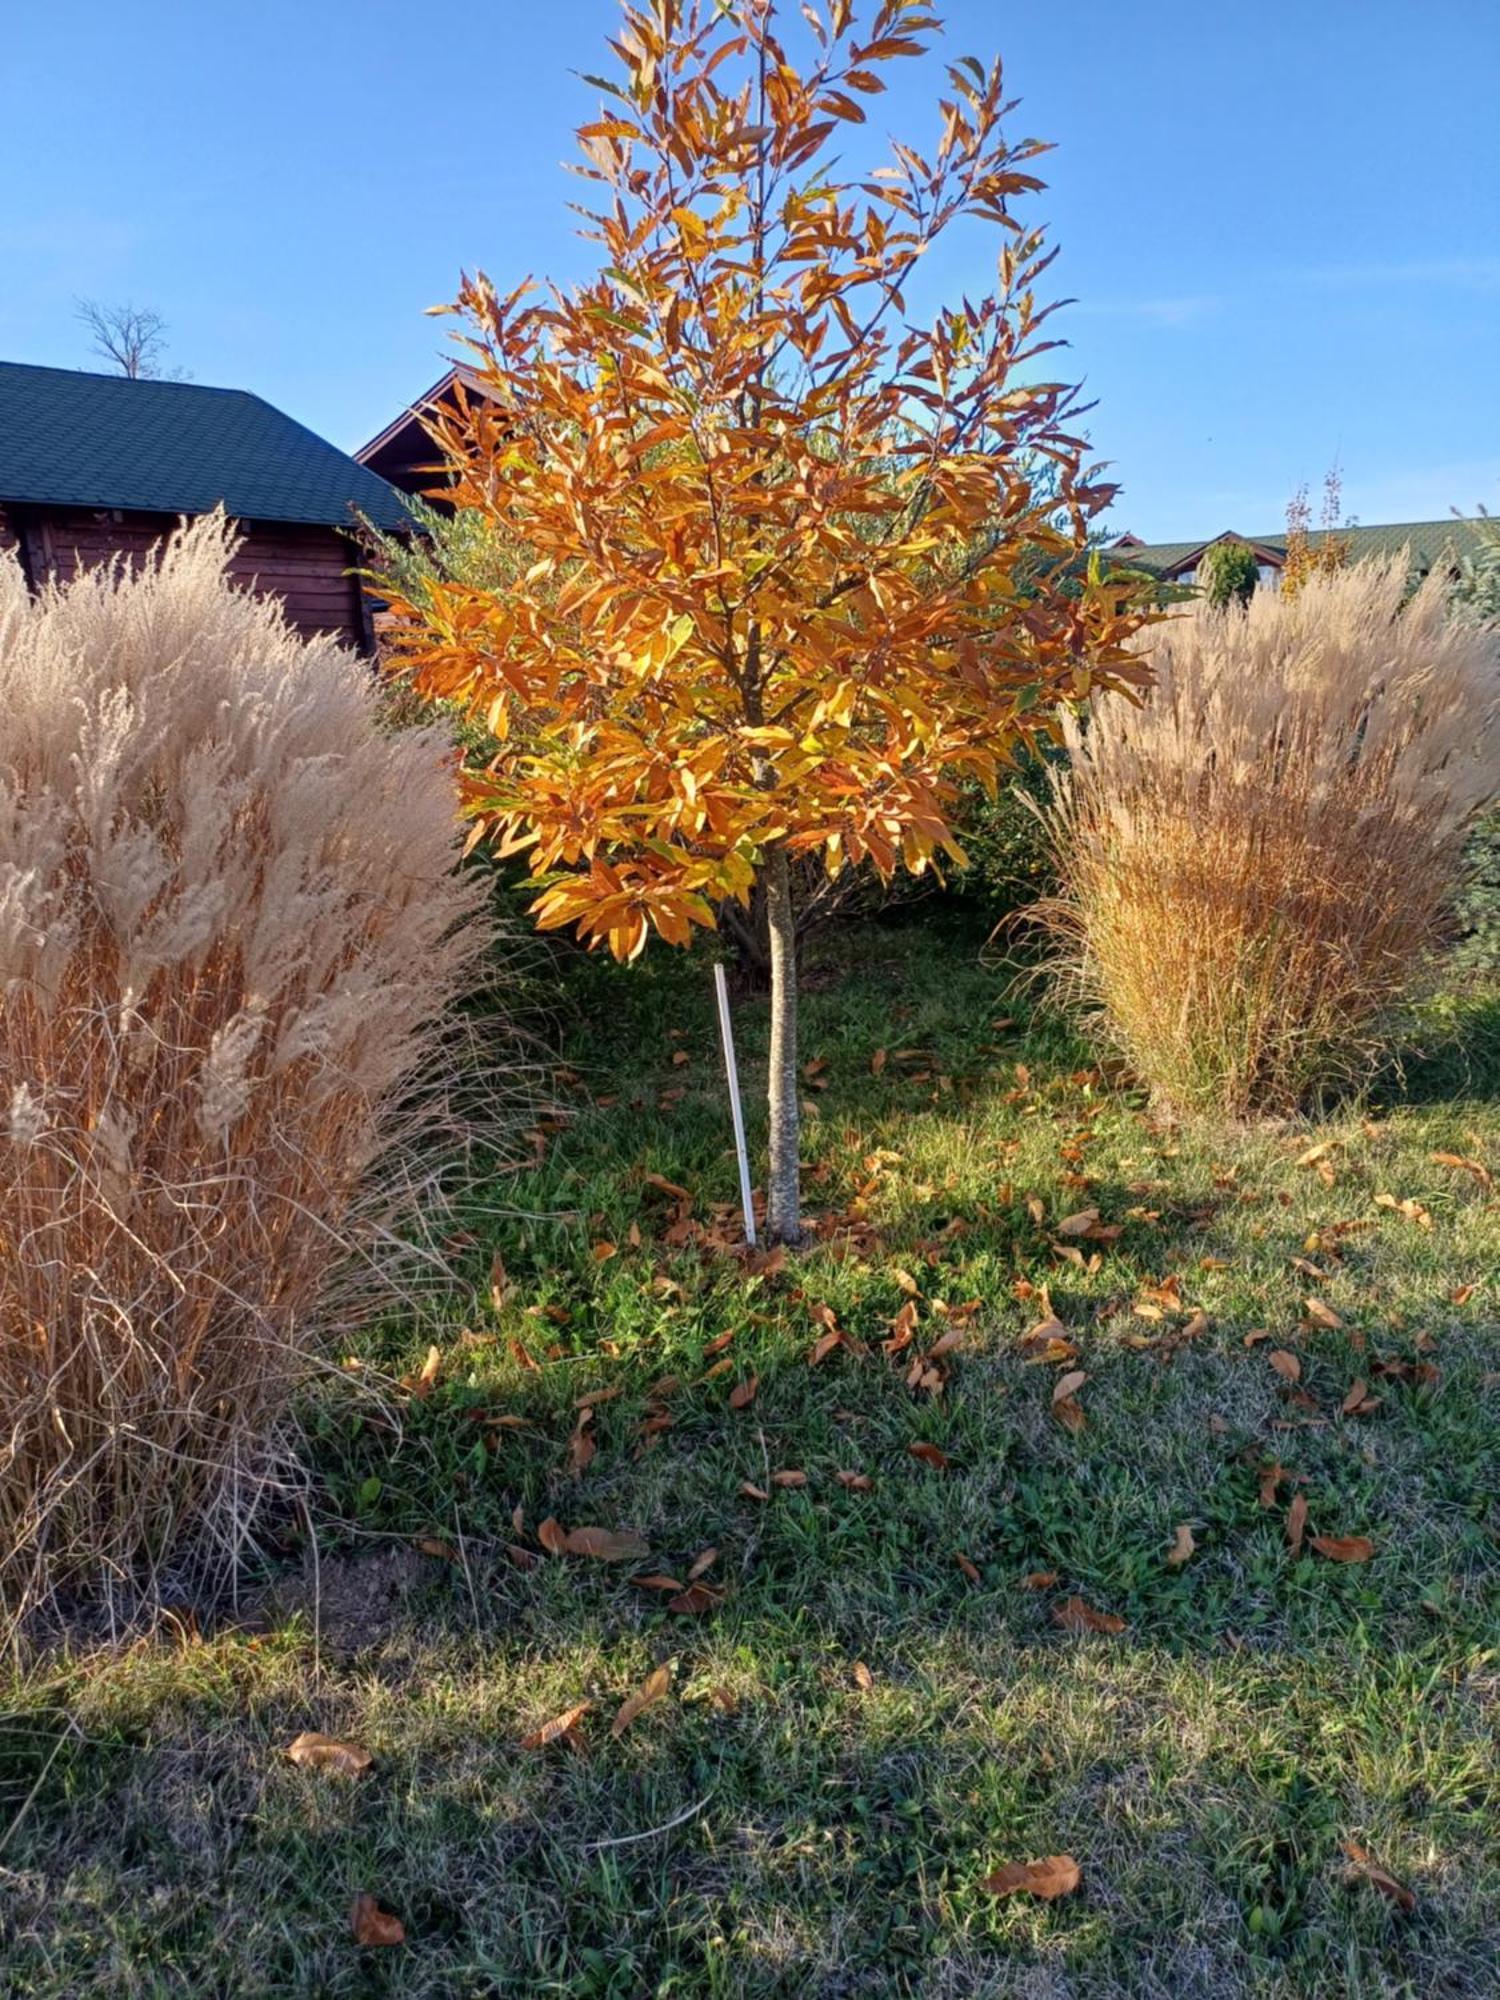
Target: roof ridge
x=135 y=381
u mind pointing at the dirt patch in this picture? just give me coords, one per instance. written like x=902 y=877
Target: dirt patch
x=354 y=1602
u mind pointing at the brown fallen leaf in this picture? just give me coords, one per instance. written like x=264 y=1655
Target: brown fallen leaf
x=1053 y=1876
x=1065 y=1404
x=1039 y=1579
x=695 y=1600
x=604 y=1251
x=1287 y=1366
x=718 y=1344
x=749 y=1492
x=878 y=1061
x=1079 y=1224
x=560 y=1725
x=328 y=1753
x=422 y=1385
x=1344 y=1548
x=1182 y=1547
x=658 y=1581
x=651 y=1689
x=702 y=1563
x=742 y=1395
x=605 y=1545
x=1359 y=1402
x=1461 y=1295
x=863 y=1678
x=1296 y=1522
x=434 y=1545
x=969 y=1569
x=930 y=1454
x=789 y=1476
x=1366 y=1866
x=1321 y=1315
x=857 y=1482
x=1271 y=1477
x=1480 y=1172
x=372 y=1925
x=1076 y=1616
x=500 y=1285
x=553 y=1537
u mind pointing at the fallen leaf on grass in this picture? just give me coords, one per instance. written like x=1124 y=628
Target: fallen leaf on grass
x=1480 y=1172
x=791 y=1476
x=434 y=1545
x=695 y=1600
x=969 y=1569
x=1461 y=1296
x=718 y=1344
x=702 y=1563
x=930 y=1454
x=1182 y=1547
x=605 y=1545
x=553 y=1537
x=863 y=1678
x=1359 y=1402
x=1296 y=1523
x=1379 y=1878
x=1344 y=1548
x=422 y=1385
x=372 y=1925
x=1039 y=1579
x=651 y=1689
x=878 y=1062
x=742 y=1395
x=1321 y=1315
x=658 y=1582
x=328 y=1753
x=1287 y=1366
x=1076 y=1616
x=1065 y=1404
x=750 y=1492
x=1079 y=1224
x=1053 y=1876
x=857 y=1482
x=560 y=1725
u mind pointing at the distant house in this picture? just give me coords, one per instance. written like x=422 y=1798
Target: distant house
x=1429 y=542
x=403 y=453
x=94 y=466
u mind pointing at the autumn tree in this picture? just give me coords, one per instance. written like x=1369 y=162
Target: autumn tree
x=130 y=338
x=790 y=578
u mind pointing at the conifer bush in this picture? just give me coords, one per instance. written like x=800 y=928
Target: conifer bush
x=231 y=934
x=1263 y=857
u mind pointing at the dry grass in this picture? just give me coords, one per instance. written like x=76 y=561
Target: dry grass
x=230 y=929
x=1262 y=859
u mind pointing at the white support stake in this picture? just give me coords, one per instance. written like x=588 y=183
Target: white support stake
x=726 y=1036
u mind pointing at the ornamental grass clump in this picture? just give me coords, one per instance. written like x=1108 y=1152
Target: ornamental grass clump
x=231 y=933
x=1261 y=859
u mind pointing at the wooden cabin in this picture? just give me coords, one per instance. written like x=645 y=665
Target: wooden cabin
x=95 y=466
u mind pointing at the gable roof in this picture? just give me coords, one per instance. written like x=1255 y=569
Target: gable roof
x=403 y=452
x=1427 y=541
x=71 y=439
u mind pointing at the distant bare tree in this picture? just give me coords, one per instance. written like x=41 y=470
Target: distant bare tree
x=130 y=338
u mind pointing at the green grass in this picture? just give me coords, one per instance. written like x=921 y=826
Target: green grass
x=1204 y=1766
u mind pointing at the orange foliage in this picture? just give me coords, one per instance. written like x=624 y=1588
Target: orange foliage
x=795 y=562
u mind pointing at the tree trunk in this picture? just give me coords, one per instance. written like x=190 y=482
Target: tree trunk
x=783 y=1194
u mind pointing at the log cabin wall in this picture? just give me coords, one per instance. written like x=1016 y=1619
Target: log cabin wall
x=307 y=567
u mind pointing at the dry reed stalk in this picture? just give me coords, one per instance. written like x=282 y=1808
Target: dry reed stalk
x=231 y=935
x=1261 y=859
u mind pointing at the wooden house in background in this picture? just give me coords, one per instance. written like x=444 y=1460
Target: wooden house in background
x=95 y=466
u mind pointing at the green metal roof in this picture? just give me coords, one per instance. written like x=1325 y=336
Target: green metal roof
x=70 y=439
x=1427 y=541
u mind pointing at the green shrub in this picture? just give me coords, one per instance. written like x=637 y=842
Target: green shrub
x=1228 y=574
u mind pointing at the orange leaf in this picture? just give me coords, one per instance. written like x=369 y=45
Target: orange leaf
x=553 y=1537
x=1379 y=1878
x=793 y=1476
x=1076 y=1616
x=1182 y=1547
x=1287 y=1366
x=1321 y=1315
x=560 y=1725
x=1344 y=1548
x=1053 y=1876
x=968 y=1568
x=742 y=1395
x=1039 y=1579
x=328 y=1753
x=372 y=1925
x=651 y=1689
x=857 y=1482
x=1296 y=1522
x=931 y=1455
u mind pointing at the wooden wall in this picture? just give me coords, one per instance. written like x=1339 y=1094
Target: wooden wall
x=305 y=566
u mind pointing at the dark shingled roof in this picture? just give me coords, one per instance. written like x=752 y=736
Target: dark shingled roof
x=69 y=439
x=1426 y=540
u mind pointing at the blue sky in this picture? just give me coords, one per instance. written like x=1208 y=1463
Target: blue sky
x=1281 y=223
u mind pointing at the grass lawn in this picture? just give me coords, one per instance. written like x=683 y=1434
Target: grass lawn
x=877 y=1696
